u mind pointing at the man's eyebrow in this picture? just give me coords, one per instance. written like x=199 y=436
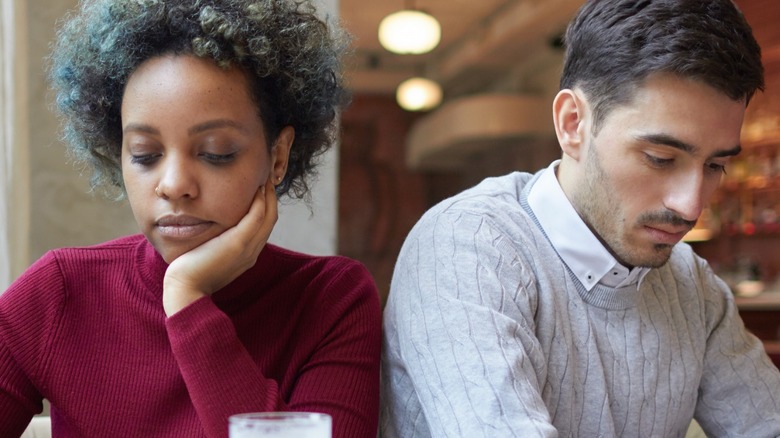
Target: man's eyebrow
x=728 y=152
x=667 y=140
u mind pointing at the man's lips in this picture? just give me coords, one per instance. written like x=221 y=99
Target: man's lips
x=669 y=235
x=181 y=226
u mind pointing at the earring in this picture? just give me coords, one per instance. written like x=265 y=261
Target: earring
x=157 y=192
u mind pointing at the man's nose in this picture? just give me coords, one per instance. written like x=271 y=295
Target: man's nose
x=685 y=195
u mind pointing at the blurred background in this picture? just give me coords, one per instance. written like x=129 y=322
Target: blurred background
x=498 y=64
x=494 y=67
x=497 y=67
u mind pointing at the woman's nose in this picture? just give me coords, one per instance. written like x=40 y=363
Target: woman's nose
x=177 y=179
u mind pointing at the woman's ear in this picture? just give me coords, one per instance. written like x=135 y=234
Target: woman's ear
x=280 y=153
x=570 y=120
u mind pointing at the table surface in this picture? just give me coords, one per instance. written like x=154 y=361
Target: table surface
x=769 y=300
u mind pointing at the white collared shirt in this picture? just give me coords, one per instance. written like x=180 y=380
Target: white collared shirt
x=579 y=248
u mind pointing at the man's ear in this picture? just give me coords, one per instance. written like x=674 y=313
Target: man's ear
x=280 y=153
x=570 y=119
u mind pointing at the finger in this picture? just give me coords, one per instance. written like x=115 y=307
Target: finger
x=271 y=205
x=262 y=216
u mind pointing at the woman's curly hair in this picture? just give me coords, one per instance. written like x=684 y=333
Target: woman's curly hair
x=292 y=59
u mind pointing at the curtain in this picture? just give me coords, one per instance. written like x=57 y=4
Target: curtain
x=14 y=141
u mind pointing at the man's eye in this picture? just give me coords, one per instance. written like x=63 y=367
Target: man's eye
x=717 y=168
x=657 y=161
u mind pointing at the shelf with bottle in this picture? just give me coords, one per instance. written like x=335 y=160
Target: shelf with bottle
x=748 y=201
x=757 y=168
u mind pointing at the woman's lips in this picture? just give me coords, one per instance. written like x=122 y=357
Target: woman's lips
x=181 y=227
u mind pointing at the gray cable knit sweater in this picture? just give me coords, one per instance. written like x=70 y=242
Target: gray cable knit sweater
x=487 y=333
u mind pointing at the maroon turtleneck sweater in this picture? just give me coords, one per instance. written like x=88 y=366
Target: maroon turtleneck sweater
x=85 y=329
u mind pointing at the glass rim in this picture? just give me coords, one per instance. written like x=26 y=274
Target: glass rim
x=279 y=416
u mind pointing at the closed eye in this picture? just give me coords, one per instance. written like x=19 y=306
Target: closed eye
x=716 y=168
x=658 y=161
x=144 y=159
x=218 y=158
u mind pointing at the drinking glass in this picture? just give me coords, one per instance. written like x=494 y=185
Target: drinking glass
x=280 y=425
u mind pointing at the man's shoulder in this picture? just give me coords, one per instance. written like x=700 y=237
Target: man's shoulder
x=493 y=196
x=485 y=219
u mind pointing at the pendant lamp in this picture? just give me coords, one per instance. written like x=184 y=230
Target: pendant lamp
x=418 y=94
x=409 y=31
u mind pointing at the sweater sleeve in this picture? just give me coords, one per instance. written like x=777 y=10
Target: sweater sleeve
x=461 y=318
x=29 y=311
x=340 y=378
x=739 y=394
x=18 y=398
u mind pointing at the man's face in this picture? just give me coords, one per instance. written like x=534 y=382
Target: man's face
x=644 y=178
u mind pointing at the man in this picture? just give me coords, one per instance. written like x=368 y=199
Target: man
x=563 y=303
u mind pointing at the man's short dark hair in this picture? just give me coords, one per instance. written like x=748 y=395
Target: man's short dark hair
x=612 y=46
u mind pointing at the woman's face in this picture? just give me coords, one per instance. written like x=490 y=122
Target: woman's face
x=194 y=151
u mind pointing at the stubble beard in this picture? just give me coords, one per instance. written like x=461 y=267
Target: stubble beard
x=603 y=214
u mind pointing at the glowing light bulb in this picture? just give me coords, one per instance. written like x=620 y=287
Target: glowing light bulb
x=418 y=94
x=409 y=32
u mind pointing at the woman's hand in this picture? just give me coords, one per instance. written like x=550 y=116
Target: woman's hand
x=214 y=264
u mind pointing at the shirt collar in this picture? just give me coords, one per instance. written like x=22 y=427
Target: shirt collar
x=577 y=246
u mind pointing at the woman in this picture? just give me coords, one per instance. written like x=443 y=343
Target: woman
x=201 y=113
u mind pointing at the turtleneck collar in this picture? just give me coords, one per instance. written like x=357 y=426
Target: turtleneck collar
x=152 y=267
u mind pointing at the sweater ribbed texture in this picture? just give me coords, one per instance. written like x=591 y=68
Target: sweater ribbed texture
x=488 y=333
x=85 y=328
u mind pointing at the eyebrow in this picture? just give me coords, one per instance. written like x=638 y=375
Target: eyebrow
x=216 y=124
x=140 y=127
x=667 y=140
x=201 y=127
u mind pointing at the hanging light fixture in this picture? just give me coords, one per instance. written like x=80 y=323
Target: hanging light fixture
x=418 y=94
x=410 y=31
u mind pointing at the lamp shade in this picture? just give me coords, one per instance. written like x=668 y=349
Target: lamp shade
x=409 y=32
x=418 y=94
